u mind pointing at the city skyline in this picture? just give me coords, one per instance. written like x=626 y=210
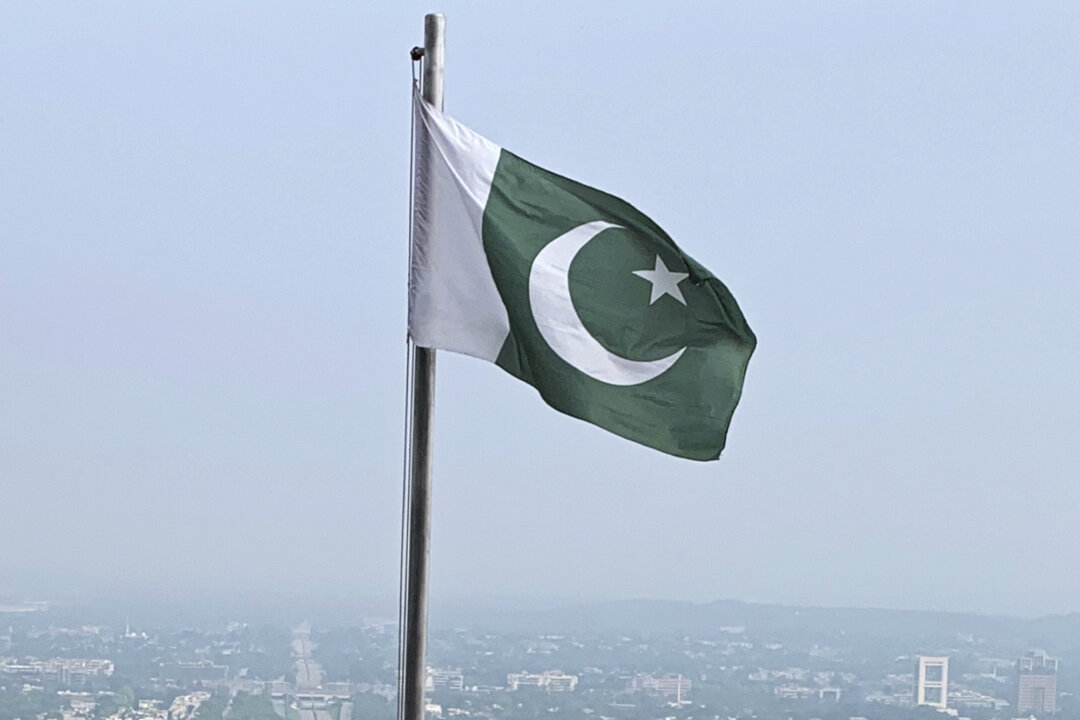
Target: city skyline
x=61 y=667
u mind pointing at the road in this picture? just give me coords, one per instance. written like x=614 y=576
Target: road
x=309 y=675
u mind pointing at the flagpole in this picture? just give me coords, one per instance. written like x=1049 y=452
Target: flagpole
x=414 y=636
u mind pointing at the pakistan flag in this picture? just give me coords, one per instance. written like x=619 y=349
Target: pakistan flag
x=573 y=291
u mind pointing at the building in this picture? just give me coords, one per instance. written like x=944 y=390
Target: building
x=672 y=686
x=185 y=706
x=444 y=680
x=1036 y=683
x=791 y=691
x=342 y=689
x=968 y=698
x=550 y=680
x=67 y=672
x=829 y=694
x=187 y=673
x=932 y=681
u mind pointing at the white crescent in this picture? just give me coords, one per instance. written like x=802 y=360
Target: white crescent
x=560 y=325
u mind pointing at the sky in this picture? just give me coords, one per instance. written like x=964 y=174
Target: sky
x=203 y=226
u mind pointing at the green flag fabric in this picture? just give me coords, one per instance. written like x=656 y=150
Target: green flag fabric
x=572 y=290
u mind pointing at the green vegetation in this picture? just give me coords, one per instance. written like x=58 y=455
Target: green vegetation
x=107 y=704
x=213 y=708
x=251 y=707
x=263 y=651
x=16 y=704
x=368 y=706
x=241 y=706
x=258 y=664
x=359 y=655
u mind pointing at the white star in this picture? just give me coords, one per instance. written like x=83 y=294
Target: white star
x=664 y=282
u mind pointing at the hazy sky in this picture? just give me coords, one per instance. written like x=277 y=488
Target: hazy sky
x=203 y=215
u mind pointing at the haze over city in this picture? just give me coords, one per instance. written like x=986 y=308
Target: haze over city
x=203 y=248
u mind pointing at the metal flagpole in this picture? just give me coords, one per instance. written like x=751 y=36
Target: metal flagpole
x=413 y=672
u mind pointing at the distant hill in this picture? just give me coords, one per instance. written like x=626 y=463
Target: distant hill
x=674 y=617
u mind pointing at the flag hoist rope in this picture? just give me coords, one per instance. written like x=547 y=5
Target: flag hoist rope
x=420 y=397
x=417 y=59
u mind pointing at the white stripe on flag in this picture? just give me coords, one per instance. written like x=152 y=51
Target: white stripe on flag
x=453 y=302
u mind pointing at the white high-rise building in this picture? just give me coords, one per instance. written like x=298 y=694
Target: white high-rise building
x=932 y=681
x=1036 y=683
